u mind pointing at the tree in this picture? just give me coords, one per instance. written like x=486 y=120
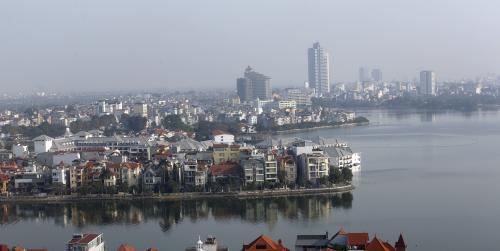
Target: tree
x=174 y=122
x=134 y=123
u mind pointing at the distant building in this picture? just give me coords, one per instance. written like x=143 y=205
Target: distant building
x=377 y=75
x=140 y=109
x=253 y=86
x=319 y=69
x=301 y=96
x=86 y=242
x=428 y=83
x=363 y=74
x=220 y=137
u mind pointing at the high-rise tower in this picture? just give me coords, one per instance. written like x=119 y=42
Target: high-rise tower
x=319 y=69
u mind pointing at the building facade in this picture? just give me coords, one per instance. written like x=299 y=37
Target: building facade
x=319 y=69
x=428 y=83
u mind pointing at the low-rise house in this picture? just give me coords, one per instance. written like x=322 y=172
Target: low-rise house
x=226 y=153
x=225 y=170
x=288 y=167
x=76 y=177
x=150 y=179
x=313 y=166
x=28 y=180
x=129 y=173
x=59 y=175
x=86 y=242
x=4 y=184
x=264 y=243
x=253 y=170
x=271 y=167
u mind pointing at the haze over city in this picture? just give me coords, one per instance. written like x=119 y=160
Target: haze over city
x=104 y=45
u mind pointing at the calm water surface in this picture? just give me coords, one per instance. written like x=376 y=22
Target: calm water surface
x=432 y=176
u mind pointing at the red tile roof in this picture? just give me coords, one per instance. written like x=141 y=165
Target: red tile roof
x=4 y=247
x=357 y=239
x=125 y=247
x=264 y=243
x=378 y=245
x=85 y=239
x=225 y=169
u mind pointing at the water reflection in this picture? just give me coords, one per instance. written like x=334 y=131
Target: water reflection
x=171 y=213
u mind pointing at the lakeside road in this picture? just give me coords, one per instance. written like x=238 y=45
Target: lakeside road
x=178 y=196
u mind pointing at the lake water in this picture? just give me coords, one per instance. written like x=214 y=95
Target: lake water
x=435 y=177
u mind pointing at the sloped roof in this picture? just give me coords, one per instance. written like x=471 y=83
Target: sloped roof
x=378 y=245
x=268 y=242
x=357 y=239
x=401 y=242
x=126 y=247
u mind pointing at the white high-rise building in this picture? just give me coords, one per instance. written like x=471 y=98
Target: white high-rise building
x=319 y=69
x=428 y=83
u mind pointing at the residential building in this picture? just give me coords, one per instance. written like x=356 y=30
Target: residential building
x=428 y=83
x=194 y=174
x=271 y=167
x=313 y=166
x=253 y=170
x=59 y=175
x=224 y=170
x=4 y=183
x=319 y=69
x=288 y=167
x=287 y=104
x=150 y=179
x=140 y=109
x=226 y=153
x=86 y=242
x=264 y=243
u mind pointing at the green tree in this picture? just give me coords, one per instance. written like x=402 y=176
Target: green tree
x=174 y=122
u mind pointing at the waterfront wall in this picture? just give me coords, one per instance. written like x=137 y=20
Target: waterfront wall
x=179 y=196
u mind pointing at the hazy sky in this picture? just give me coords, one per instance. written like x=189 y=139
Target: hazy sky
x=106 y=44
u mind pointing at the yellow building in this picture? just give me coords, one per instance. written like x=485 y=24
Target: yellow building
x=226 y=153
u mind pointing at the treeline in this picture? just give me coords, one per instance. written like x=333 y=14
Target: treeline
x=35 y=131
x=307 y=125
x=460 y=103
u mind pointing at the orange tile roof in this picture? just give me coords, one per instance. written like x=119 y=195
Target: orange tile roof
x=378 y=245
x=264 y=241
x=223 y=169
x=126 y=247
x=357 y=239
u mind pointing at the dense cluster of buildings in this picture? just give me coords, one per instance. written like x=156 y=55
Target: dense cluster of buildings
x=76 y=162
x=340 y=241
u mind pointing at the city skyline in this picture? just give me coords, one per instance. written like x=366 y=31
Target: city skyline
x=139 y=45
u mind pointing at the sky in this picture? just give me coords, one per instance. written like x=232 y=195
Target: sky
x=103 y=45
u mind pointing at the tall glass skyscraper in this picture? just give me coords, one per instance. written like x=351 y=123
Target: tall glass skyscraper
x=253 y=85
x=428 y=83
x=319 y=69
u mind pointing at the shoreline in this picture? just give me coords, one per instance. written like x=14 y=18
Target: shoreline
x=178 y=196
x=319 y=127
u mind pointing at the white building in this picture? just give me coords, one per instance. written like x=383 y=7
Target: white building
x=140 y=109
x=319 y=69
x=220 y=137
x=86 y=242
x=20 y=151
x=43 y=143
x=428 y=83
x=286 y=104
x=59 y=176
